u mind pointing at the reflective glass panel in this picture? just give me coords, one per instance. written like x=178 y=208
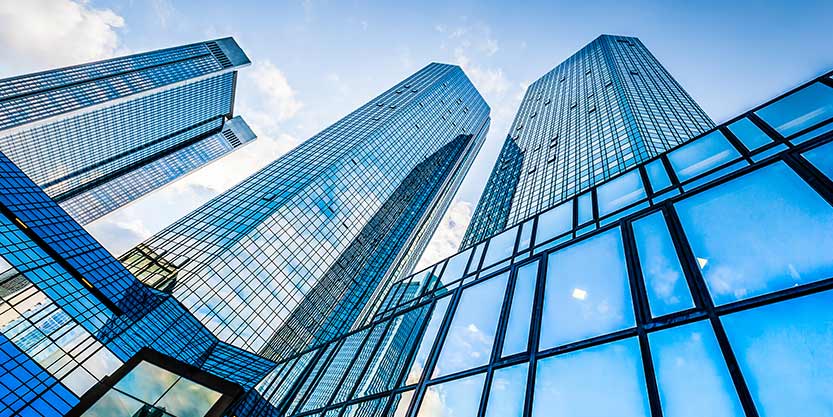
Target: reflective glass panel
x=516 y=338
x=427 y=340
x=587 y=291
x=113 y=403
x=620 y=192
x=658 y=175
x=500 y=247
x=822 y=158
x=399 y=406
x=457 y=398
x=785 y=352
x=664 y=279
x=147 y=382
x=455 y=267
x=506 y=396
x=800 y=110
x=470 y=336
x=751 y=135
x=702 y=155
x=526 y=235
x=691 y=373
x=585 y=208
x=605 y=380
x=188 y=399
x=760 y=233
x=475 y=259
x=555 y=222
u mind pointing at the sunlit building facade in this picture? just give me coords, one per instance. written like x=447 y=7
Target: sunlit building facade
x=80 y=132
x=605 y=109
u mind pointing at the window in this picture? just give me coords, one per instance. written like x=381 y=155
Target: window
x=759 y=233
x=800 y=110
x=665 y=282
x=587 y=292
x=460 y=397
x=471 y=334
x=427 y=340
x=506 y=396
x=516 y=337
x=620 y=192
x=455 y=267
x=822 y=158
x=752 y=136
x=702 y=155
x=691 y=373
x=585 y=208
x=657 y=176
x=605 y=380
x=555 y=222
x=500 y=247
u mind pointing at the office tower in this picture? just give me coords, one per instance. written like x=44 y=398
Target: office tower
x=80 y=132
x=699 y=283
x=605 y=109
x=290 y=256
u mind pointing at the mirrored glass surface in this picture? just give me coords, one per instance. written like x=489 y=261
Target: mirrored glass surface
x=702 y=155
x=620 y=192
x=587 y=292
x=665 y=281
x=147 y=382
x=800 y=110
x=471 y=335
x=400 y=403
x=692 y=376
x=188 y=399
x=585 y=208
x=427 y=342
x=457 y=398
x=500 y=247
x=604 y=380
x=526 y=235
x=456 y=267
x=822 y=158
x=785 y=352
x=749 y=134
x=506 y=395
x=657 y=175
x=114 y=403
x=516 y=337
x=555 y=222
x=763 y=232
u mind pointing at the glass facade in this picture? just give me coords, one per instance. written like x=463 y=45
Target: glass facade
x=80 y=132
x=601 y=112
x=290 y=256
x=700 y=292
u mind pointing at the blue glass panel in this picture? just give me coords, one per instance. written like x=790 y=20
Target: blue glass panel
x=475 y=259
x=471 y=334
x=526 y=236
x=605 y=380
x=585 y=208
x=147 y=382
x=749 y=134
x=114 y=403
x=664 y=279
x=822 y=158
x=620 y=192
x=427 y=342
x=455 y=267
x=785 y=352
x=188 y=399
x=400 y=403
x=587 y=291
x=692 y=377
x=500 y=247
x=516 y=337
x=657 y=175
x=760 y=233
x=800 y=110
x=506 y=396
x=702 y=155
x=457 y=398
x=555 y=222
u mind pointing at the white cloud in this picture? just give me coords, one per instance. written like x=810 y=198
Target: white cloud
x=41 y=34
x=449 y=234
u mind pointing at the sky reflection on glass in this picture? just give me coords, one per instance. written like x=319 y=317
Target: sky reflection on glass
x=800 y=110
x=751 y=135
x=587 y=291
x=506 y=395
x=657 y=175
x=147 y=382
x=427 y=342
x=555 y=222
x=744 y=249
x=400 y=404
x=113 y=403
x=188 y=399
x=785 y=352
x=620 y=192
x=516 y=337
x=585 y=208
x=697 y=157
x=455 y=267
x=604 y=380
x=822 y=158
x=457 y=398
x=500 y=247
x=692 y=377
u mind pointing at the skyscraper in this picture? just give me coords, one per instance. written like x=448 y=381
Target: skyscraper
x=80 y=132
x=605 y=109
x=290 y=256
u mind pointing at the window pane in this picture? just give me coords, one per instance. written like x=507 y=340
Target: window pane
x=585 y=208
x=751 y=136
x=555 y=222
x=471 y=334
x=455 y=267
x=458 y=398
x=147 y=382
x=506 y=396
x=800 y=110
x=605 y=380
x=759 y=233
x=188 y=399
x=691 y=373
x=114 y=403
x=500 y=247
x=702 y=155
x=520 y=313
x=427 y=342
x=587 y=292
x=664 y=279
x=785 y=352
x=620 y=192
x=822 y=158
x=526 y=235
x=399 y=406
x=475 y=259
x=658 y=175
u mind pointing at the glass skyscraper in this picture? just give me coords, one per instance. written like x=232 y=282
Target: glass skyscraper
x=80 y=132
x=289 y=257
x=605 y=109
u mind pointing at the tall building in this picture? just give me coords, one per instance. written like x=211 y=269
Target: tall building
x=605 y=109
x=290 y=256
x=81 y=132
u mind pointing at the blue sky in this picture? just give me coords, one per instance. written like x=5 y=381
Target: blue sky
x=316 y=61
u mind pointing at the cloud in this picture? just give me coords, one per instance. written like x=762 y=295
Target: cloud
x=266 y=96
x=449 y=234
x=164 y=11
x=40 y=34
